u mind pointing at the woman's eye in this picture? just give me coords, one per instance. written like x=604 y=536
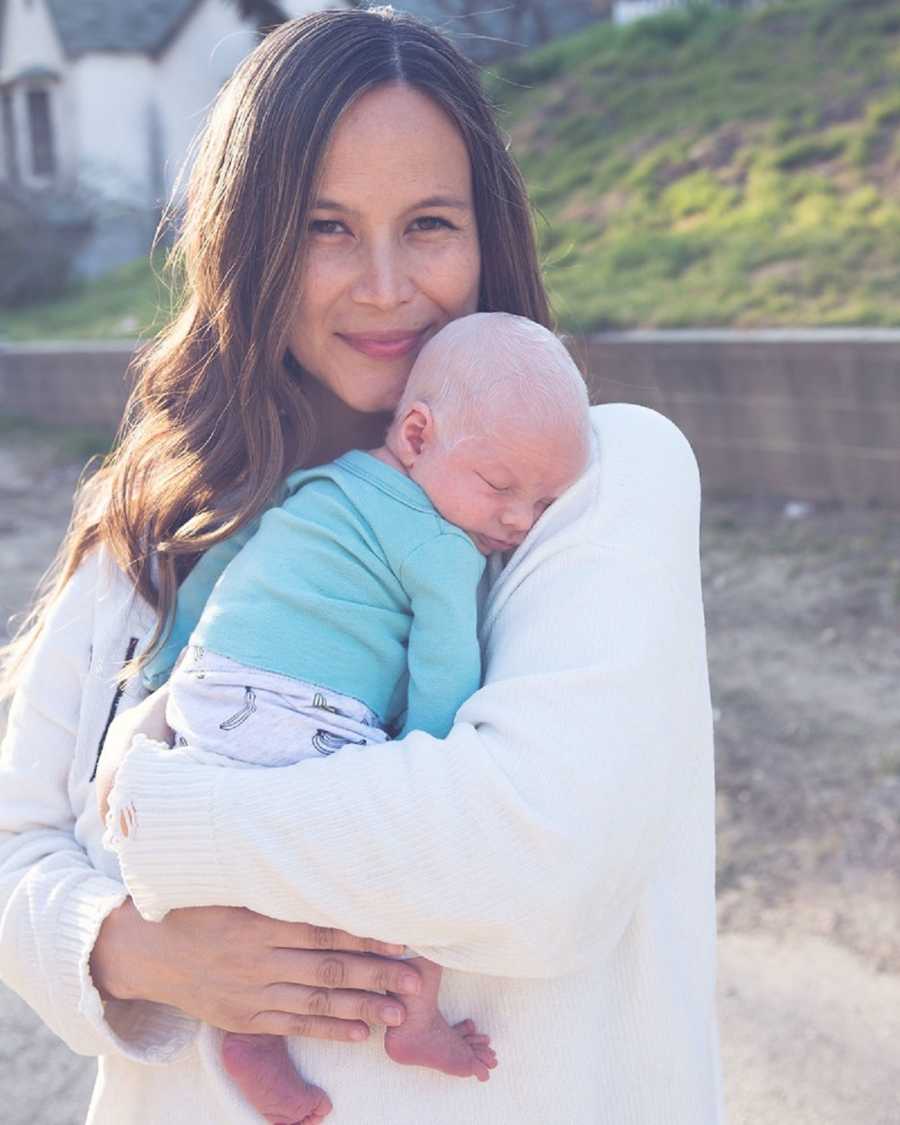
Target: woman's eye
x=433 y=222
x=325 y=226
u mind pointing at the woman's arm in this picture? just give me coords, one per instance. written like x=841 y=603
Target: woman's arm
x=522 y=843
x=71 y=943
x=52 y=900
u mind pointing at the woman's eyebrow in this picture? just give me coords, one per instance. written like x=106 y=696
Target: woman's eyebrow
x=431 y=201
x=441 y=201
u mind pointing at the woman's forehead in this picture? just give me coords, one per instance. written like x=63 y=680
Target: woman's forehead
x=395 y=138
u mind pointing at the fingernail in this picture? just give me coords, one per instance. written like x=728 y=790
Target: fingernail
x=410 y=983
x=391 y=1014
x=359 y=1034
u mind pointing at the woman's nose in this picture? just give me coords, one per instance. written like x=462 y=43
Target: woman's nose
x=384 y=278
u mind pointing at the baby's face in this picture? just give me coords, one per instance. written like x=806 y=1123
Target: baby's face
x=495 y=488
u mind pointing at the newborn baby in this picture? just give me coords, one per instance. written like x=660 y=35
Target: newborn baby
x=351 y=613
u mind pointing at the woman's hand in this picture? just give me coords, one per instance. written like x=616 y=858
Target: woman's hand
x=147 y=717
x=231 y=967
x=241 y=971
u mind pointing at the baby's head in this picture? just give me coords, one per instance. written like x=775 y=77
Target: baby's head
x=493 y=425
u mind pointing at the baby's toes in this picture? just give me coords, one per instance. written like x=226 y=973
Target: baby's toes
x=481 y=1040
x=318 y=1115
x=465 y=1027
x=486 y=1056
x=481 y=1071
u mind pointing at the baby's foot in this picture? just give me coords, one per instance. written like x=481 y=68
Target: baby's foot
x=262 y=1069
x=459 y=1050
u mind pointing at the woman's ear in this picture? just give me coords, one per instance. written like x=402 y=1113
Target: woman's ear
x=414 y=433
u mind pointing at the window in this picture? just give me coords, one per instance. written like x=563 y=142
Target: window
x=40 y=128
x=10 y=152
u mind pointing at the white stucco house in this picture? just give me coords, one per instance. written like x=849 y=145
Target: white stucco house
x=627 y=11
x=103 y=97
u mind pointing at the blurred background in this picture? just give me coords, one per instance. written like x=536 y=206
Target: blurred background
x=719 y=218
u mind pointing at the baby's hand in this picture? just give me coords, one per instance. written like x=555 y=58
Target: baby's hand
x=148 y=718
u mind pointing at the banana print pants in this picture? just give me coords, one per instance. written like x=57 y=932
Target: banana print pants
x=232 y=715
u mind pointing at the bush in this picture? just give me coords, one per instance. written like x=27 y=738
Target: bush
x=809 y=150
x=40 y=234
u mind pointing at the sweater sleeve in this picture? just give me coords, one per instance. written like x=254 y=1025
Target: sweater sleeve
x=444 y=657
x=52 y=900
x=521 y=844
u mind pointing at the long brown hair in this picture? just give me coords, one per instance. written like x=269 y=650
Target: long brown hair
x=218 y=416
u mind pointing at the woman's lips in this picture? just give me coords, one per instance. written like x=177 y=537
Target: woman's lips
x=383 y=345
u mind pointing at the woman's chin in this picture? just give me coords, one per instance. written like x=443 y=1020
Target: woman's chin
x=384 y=402
x=369 y=408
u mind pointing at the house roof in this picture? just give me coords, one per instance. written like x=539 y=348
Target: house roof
x=143 y=26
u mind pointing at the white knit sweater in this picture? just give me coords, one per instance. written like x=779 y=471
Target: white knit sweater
x=554 y=853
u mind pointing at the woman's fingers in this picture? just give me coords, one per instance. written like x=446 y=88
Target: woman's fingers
x=299 y=935
x=344 y=971
x=311 y=1027
x=226 y=966
x=343 y=1004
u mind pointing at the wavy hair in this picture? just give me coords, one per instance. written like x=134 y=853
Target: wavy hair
x=218 y=416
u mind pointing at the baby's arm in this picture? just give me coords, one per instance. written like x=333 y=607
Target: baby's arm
x=193 y=594
x=441 y=577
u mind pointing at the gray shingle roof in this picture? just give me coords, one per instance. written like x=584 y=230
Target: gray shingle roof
x=145 y=26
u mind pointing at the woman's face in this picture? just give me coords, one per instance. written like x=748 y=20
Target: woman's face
x=393 y=251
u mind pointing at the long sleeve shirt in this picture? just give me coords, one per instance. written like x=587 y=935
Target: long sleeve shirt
x=354 y=582
x=554 y=852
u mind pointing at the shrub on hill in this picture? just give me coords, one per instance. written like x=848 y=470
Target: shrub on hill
x=39 y=237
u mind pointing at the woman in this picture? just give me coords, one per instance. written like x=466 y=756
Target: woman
x=554 y=853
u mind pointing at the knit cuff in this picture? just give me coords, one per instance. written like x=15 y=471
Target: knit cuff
x=160 y=824
x=138 y=1029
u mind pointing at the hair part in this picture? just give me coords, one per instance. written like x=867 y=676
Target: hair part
x=218 y=415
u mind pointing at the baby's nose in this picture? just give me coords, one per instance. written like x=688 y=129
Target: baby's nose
x=518 y=516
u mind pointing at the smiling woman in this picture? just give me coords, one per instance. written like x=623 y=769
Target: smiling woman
x=352 y=195
x=393 y=252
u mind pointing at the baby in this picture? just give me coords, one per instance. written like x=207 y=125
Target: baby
x=352 y=612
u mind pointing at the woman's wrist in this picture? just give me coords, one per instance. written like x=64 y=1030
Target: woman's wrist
x=114 y=957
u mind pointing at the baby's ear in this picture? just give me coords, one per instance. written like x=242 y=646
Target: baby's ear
x=416 y=432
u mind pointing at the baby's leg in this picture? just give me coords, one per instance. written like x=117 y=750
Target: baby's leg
x=262 y=1069
x=426 y=1039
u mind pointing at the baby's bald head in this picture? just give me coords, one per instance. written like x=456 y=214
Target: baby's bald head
x=496 y=373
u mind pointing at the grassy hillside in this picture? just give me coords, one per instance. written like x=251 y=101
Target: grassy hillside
x=128 y=302
x=710 y=168
x=700 y=168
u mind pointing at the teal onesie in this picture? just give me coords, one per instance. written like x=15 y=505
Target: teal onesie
x=353 y=582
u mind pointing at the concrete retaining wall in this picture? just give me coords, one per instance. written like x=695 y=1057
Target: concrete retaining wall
x=807 y=415
x=810 y=415
x=82 y=385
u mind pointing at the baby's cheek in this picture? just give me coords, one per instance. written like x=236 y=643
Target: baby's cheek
x=472 y=510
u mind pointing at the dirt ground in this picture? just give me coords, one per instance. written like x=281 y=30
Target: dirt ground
x=803 y=609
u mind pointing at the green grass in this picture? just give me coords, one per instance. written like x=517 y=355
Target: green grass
x=706 y=167
x=127 y=303
x=717 y=168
